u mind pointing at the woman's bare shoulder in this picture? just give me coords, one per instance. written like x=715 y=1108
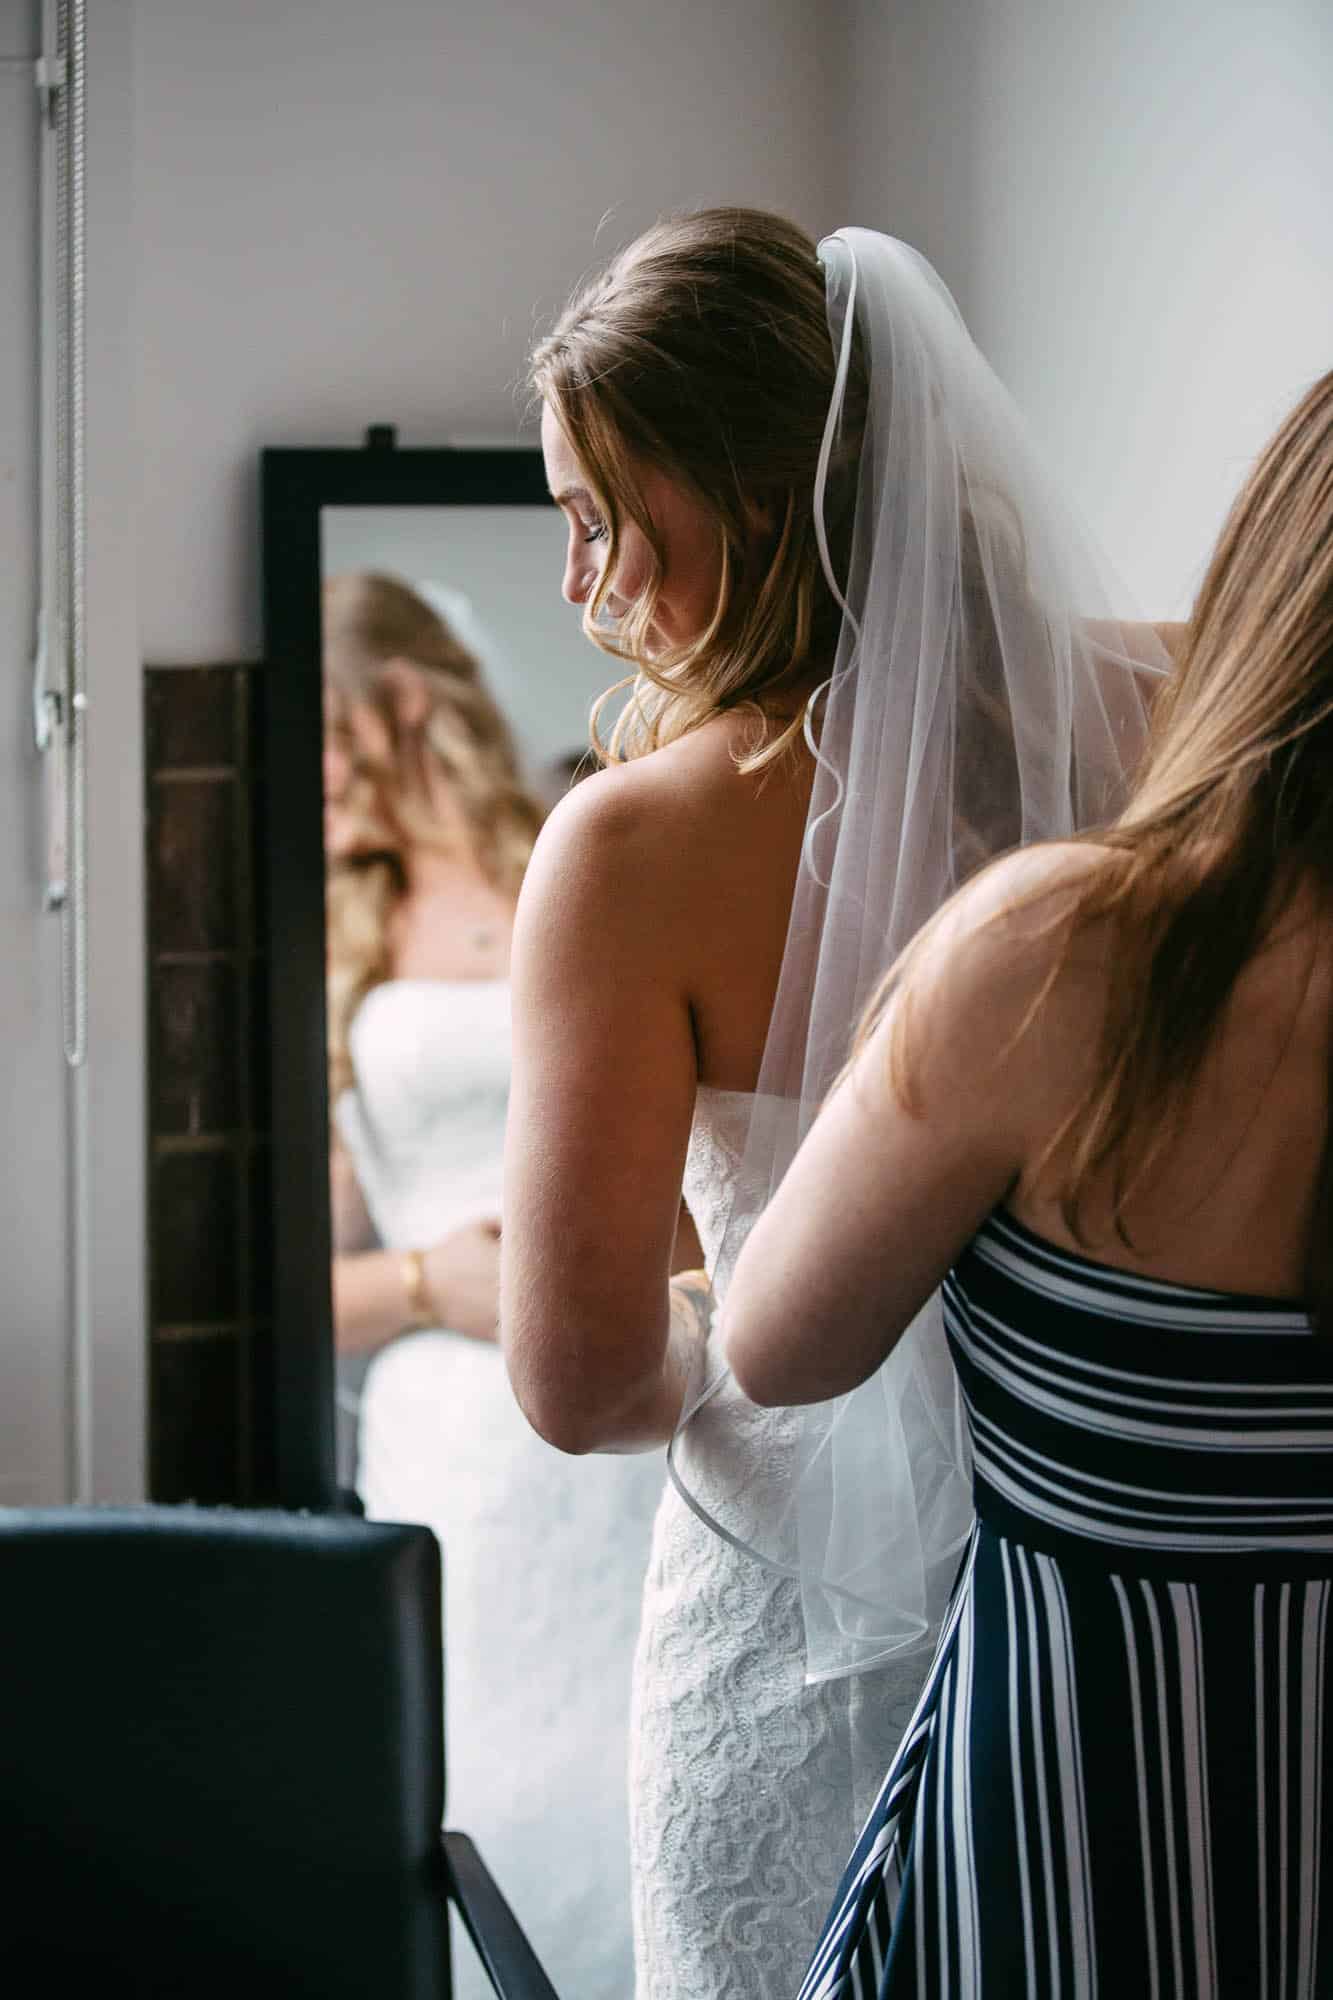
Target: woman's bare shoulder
x=1002 y=946
x=1010 y=907
x=1032 y=878
x=689 y=798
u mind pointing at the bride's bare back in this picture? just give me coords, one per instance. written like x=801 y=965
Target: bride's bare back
x=725 y=850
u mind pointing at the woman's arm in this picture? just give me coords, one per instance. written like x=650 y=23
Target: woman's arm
x=352 y=1227
x=1150 y=646
x=881 y=1198
x=686 y=1252
x=371 y=1301
x=370 y=1294
x=599 y=1121
x=378 y=1294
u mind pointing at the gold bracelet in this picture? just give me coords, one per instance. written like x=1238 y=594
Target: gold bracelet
x=412 y=1265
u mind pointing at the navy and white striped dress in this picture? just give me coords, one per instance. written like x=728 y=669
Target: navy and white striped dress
x=1113 y=1784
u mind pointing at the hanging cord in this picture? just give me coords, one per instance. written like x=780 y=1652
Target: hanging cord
x=50 y=655
x=60 y=663
x=60 y=696
x=74 y=914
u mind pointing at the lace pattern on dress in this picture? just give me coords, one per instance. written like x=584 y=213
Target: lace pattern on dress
x=742 y=1802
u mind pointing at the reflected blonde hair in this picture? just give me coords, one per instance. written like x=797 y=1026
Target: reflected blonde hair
x=373 y=624
x=1231 y=822
x=703 y=350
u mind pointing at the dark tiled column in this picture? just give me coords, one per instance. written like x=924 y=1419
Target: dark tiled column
x=208 y=1087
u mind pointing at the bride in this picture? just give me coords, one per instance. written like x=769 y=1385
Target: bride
x=428 y=828
x=863 y=655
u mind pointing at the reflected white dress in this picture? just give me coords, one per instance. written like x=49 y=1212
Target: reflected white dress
x=544 y=1555
x=743 y=1804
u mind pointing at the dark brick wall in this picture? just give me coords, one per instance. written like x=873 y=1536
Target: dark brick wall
x=208 y=1123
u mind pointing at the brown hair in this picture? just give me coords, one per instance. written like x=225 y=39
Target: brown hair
x=373 y=623
x=704 y=351
x=1231 y=819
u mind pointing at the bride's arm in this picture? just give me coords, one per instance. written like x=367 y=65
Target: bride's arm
x=378 y=1293
x=1153 y=646
x=1151 y=651
x=452 y=1285
x=599 y=1345
x=370 y=1298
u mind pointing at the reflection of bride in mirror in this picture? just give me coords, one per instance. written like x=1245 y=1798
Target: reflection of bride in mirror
x=428 y=826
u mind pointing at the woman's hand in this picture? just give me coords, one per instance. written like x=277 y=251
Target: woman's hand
x=456 y=1286
x=462 y=1274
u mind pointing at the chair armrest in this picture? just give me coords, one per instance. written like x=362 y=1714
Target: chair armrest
x=512 y=1966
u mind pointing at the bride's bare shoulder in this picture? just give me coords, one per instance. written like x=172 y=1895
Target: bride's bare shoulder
x=641 y=863
x=690 y=799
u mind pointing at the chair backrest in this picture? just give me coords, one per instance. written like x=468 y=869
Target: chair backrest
x=221 y=1750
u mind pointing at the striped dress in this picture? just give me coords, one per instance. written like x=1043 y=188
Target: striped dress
x=1113 y=1784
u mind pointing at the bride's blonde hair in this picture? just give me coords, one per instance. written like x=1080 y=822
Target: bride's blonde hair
x=374 y=627
x=704 y=351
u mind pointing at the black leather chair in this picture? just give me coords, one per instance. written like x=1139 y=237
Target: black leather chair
x=221 y=1767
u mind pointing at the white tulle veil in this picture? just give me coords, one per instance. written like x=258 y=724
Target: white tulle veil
x=983 y=694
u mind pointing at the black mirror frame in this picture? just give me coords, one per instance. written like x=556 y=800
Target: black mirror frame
x=295 y=486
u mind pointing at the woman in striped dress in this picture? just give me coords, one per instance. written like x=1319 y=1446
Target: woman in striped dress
x=1095 y=1102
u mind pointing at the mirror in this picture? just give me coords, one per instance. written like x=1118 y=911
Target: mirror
x=474 y=536
x=419 y=1059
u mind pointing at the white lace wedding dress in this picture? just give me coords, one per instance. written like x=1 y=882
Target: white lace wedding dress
x=745 y=1797
x=544 y=1555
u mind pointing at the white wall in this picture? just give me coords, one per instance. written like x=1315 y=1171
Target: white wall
x=1134 y=206
x=352 y=214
